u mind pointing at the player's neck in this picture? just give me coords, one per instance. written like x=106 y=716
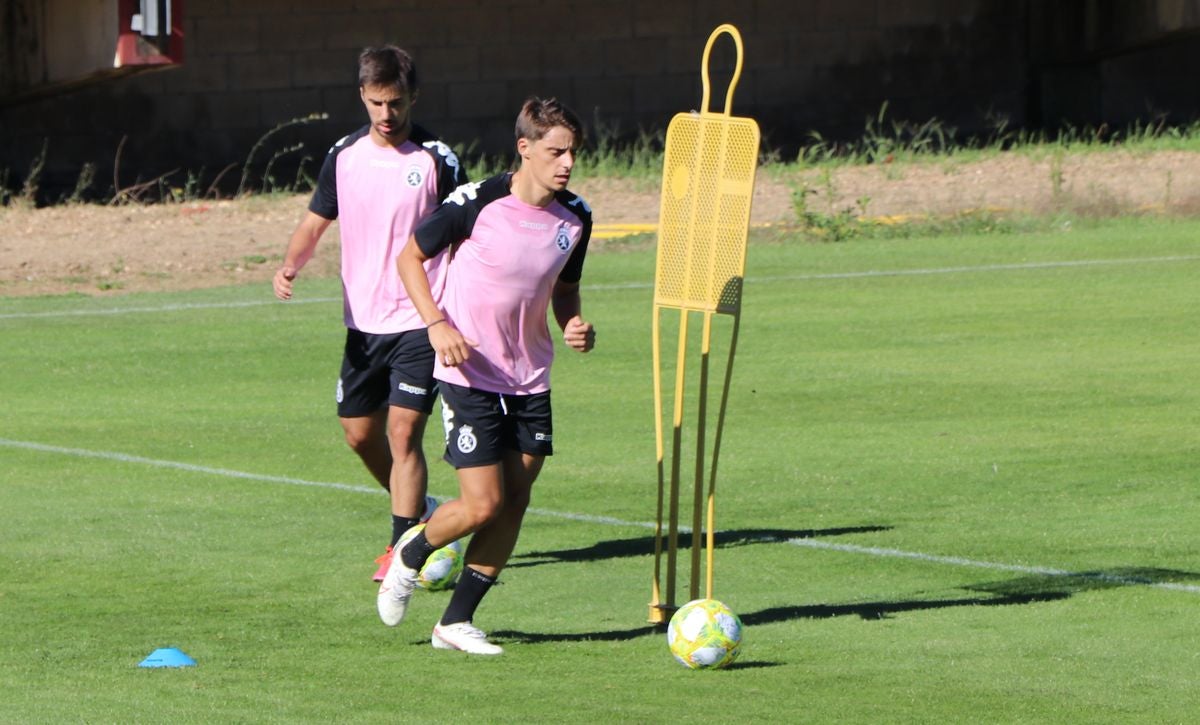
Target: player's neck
x=525 y=188
x=395 y=140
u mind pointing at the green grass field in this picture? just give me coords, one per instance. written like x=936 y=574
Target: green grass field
x=957 y=484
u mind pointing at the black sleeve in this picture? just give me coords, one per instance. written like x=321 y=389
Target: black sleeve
x=450 y=170
x=454 y=220
x=451 y=173
x=573 y=271
x=324 y=199
x=449 y=224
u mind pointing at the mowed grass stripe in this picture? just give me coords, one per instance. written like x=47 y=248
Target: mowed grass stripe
x=1009 y=419
x=608 y=520
x=605 y=287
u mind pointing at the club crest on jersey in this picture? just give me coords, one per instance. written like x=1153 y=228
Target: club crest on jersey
x=412 y=176
x=562 y=240
x=466 y=439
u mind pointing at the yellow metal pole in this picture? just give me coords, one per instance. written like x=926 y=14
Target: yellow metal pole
x=698 y=485
x=676 y=445
x=656 y=615
x=716 y=454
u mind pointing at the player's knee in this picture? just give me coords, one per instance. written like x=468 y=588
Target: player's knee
x=404 y=434
x=360 y=440
x=403 y=442
x=517 y=500
x=482 y=511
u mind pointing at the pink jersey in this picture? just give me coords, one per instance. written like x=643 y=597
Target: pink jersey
x=500 y=277
x=378 y=194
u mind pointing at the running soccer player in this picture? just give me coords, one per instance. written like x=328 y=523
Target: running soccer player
x=379 y=182
x=518 y=242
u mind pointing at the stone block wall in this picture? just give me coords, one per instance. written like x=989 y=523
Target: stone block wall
x=253 y=66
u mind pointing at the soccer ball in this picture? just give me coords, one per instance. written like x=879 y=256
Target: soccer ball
x=704 y=634
x=442 y=568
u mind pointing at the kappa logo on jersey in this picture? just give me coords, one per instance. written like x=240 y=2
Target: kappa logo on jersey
x=413 y=176
x=466 y=439
x=463 y=193
x=562 y=240
x=446 y=153
x=338 y=143
x=578 y=201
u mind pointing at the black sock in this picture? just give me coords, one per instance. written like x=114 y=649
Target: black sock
x=400 y=524
x=416 y=551
x=468 y=593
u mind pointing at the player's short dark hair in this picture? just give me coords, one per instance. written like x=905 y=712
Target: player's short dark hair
x=387 y=65
x=539 y=115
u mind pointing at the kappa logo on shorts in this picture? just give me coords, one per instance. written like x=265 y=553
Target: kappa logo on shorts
x=413 y=176
x=543 y=437
x=341 y=394
x=447 y=420
x=466 y=439
x=563 y=240
x=410 y=389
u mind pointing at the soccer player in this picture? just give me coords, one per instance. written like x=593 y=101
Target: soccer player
x=378 y=182
x=518 y=242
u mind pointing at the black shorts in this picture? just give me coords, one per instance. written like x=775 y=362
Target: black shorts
x=480 y=425
x=380 y=370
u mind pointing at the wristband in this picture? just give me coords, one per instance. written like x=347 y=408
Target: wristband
x=431 y=324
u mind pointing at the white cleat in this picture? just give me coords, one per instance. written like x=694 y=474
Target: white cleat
x=395 y=591
x=464 y=637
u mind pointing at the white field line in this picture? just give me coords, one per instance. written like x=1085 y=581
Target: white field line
x=189 y=467
x=1016 y=266
x=608 y=520
x=162 y=308
x=1024 y=266
x=958 y=561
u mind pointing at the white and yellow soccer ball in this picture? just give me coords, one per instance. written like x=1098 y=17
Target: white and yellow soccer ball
x=443 y=566
x=704 y=634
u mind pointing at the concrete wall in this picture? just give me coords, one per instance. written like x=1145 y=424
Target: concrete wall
x=252 y=66
x=1115 y=62
x=50 y=44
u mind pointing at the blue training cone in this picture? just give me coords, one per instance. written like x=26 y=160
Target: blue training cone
x=167 y=657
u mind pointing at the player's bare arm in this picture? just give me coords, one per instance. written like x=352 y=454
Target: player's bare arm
x=578 y=334
x=447 y=342
x=300 y=249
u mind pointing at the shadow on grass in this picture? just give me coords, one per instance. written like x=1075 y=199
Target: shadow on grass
x=1067 y=583
x=1033 y=589
x=644 y=545
x=863 y=610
